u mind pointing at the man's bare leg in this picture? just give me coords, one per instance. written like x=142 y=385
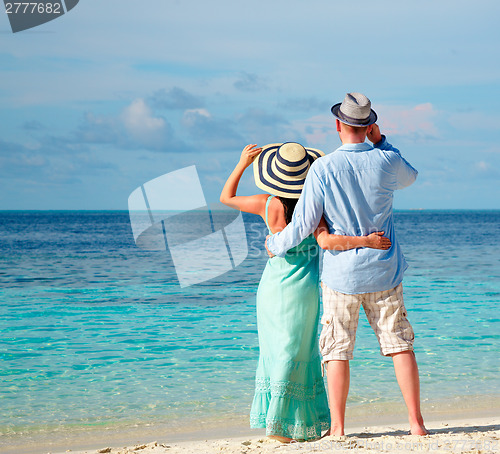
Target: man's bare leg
x=338 y=378
x=405 y=366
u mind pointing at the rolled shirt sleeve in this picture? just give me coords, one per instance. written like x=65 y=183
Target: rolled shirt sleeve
x=406 y=174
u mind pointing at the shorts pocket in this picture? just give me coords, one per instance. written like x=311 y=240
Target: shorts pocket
x=326 y=338
x=405 y=328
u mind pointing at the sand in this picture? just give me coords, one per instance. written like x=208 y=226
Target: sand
x=478 y=436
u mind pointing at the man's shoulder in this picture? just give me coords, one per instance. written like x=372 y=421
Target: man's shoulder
x=324 y=165
x=340 y=161
x=330 y=163
x=329 y=158
x=341 y=156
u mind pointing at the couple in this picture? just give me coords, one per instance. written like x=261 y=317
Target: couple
x=349 y=193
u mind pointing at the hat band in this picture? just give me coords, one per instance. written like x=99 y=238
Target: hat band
x=363 y=121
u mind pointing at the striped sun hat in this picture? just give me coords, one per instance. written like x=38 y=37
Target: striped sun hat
x=281 y=168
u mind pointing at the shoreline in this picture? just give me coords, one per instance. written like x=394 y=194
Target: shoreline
x=232 y=432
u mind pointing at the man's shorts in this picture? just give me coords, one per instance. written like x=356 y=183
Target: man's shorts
x=384 y=310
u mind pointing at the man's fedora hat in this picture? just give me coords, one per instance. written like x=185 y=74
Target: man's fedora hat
x=281 y=168
x=355 y=110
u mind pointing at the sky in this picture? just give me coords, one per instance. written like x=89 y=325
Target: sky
x=116 y=93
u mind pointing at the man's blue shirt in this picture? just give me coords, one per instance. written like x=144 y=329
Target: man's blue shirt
x=353 y=189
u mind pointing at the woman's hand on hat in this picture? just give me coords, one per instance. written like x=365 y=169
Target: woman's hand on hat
x=249 y=153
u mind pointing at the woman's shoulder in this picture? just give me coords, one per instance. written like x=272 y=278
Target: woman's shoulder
x=261 y=196
x=261 y=199
x=275 y=205
x=258 y=203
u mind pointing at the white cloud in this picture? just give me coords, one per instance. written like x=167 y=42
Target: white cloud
x=139 y=120
x=190 y=116
x=136 y=126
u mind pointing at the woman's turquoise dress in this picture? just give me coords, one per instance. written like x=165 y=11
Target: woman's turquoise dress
x=290 y=398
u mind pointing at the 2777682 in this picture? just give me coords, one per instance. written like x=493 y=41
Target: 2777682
x=33 y=8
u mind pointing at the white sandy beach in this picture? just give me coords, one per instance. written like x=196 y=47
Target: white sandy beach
x=472 y=436
x=478 y=435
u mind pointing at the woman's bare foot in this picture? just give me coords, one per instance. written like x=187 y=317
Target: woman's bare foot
x=282 y=439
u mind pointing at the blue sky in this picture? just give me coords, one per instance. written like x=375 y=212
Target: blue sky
x=118 y=92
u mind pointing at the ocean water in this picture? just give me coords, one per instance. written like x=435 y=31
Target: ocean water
x=95 y=332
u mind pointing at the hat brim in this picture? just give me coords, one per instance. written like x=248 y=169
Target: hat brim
x=267 y=180
x=371 y=119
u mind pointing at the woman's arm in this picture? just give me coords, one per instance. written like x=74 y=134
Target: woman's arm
x=328 y=241
x=250 y=204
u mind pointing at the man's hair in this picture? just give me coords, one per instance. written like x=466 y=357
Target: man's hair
x=355 y=129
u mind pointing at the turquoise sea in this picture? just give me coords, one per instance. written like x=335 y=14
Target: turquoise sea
x=96 y=333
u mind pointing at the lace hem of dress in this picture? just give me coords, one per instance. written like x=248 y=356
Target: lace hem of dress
x=289 y=389
x=288 y=428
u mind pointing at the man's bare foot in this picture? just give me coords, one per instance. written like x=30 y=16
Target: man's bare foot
x=418 y=428
x=334 y=438
x=334 y=431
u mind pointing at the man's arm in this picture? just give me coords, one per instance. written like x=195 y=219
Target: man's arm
x=405 y=173
x=306 y=216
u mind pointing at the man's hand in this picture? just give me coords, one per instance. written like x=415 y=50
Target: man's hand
x=269 y=253
x=377 y=240
x=374 y=136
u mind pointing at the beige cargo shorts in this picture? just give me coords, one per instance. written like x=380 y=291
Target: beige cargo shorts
x=385 y=312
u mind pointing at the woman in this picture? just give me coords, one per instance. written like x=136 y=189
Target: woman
x=290 y=399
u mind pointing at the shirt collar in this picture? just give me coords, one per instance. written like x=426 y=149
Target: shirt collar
x=356 y=147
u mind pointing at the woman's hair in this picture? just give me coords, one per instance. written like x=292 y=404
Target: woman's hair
x=289 y=206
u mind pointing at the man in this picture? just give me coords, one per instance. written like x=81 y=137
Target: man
x=353 y=189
